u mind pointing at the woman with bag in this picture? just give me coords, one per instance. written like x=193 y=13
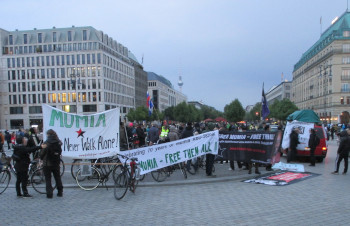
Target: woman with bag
x=51 y=155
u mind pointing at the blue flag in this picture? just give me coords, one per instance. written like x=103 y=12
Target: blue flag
x=264 y=106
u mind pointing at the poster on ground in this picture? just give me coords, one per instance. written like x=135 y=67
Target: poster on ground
x=162 y=155
x=257 y=146
x=84 y=136
x=304 y=128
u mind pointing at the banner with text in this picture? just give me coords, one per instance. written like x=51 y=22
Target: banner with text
x=159 y=156
x=84 y=136
x=303 y=136
x=257 y=146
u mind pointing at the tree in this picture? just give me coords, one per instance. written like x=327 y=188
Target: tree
x=255 y=113
x=131 y=115
x=169 y=113
x=281 y=109
x=234 y=111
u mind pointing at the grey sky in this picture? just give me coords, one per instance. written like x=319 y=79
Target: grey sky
x=223 y=49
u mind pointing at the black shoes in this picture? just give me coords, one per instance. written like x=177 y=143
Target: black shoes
x=49 y=196
x=27 y=196
x=311 y=165
x=19 y=195
x=60 y=194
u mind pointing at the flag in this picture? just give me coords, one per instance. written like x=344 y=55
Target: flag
x=149 y=104
x=264 y=106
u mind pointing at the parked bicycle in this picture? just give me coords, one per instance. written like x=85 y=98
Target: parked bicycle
x=161 y=174
x=128 y=178
x=90 y=176
x=5 y=176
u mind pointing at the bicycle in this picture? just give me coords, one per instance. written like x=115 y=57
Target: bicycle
x=196 y=163
x=5 y=177
x=38 y=180
x=128 y=178
x=161 y=174
x=90 y=177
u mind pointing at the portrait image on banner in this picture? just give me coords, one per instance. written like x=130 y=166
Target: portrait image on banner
x=84 y=136
x=303 y=135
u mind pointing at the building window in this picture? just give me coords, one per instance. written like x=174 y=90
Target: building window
x=99 y=58
x=10 y=40
x=25 y=39
x=35 y=110
x=40 y=37
x=345 y=87
x=84 y=35
x=342 y=100
x=73 y=60
x=83 y=59
x=16 y=110
x=54 y=36
x=16 y=123
x=90 y=108
x=88 y=58
x=346 y=33
x=69 y=36
x=346 y=60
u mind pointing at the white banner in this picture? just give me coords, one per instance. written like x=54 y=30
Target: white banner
x=84 y=136
x=289 y=167
x=304 y=135
x=159 y=156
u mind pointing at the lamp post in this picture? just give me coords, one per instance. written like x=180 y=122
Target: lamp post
x=326 y=77
x=75 y=80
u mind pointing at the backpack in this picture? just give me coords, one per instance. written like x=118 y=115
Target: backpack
x=54 y=154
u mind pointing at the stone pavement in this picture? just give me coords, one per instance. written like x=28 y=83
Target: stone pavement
x=321 y=200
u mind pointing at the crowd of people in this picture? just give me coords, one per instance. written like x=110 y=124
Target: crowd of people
x=133 y=135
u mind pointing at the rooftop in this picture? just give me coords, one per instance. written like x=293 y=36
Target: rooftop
x=333 y=32
x=154 y=76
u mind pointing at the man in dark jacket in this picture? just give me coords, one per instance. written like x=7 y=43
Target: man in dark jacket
x=33 y=140
x=140 y=135
x=188 y=132
x=22 y=163
x=51 y=157
x=8 y=139
x=153 y=134
x=294 y=141
x=313 y=142
x=343 y=152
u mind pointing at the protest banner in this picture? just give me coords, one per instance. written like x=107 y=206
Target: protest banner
x=304 y=135
x=84 y=136
x=257 y=146
x=162 y=155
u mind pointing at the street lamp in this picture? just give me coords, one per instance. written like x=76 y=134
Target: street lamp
x=75 y=80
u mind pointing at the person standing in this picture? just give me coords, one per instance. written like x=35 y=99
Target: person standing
x=2 y=141
x=188 y=132
x=173 y=135
x=22 y=161
x=294 y=141
x=313 y=142
x=153 y=134
x=343 y=153
x=209 y=159
x=33 y=140
x=140 y=135
x=8 y=139
x=51 y=161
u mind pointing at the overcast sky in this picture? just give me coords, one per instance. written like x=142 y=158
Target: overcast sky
x=223 y=49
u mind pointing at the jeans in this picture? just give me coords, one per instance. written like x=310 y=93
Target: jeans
x=22 y=179
x=209 y=164
x=312 y=156
x=341 y=157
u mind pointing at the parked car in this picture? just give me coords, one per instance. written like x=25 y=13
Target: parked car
x=321 y=149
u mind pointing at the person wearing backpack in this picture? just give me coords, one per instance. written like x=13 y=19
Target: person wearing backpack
x=314 y=141
x=51 y=155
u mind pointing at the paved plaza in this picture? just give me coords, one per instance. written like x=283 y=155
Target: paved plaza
x=225 y=200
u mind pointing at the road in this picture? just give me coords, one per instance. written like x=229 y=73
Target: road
x=225 y=200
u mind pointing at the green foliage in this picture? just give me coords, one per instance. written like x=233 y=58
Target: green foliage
x=281 y=109
x=234 y=112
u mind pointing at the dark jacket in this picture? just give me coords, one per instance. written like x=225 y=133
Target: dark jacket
x=140 y=133
x=153 y=134
x=294 y=140
x=188 y=132
x=313 y=141
x=344 y=146
x=8 y=137
x=23 y=153
x=53 y=144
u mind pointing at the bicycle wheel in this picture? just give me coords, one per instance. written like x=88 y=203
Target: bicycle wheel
x=90 y=182
x=121 y=185
x=74 y=169
x=5 y=177
x=183 y=170
x=38 y=181
x=62 y=167
x=159 y=175
x=117 y=171
x=142 y=177
x=190 y=168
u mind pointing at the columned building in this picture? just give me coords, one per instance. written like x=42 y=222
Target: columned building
x=162 y=92
x=279 y=92
x=321 y=78
x=76 y=69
